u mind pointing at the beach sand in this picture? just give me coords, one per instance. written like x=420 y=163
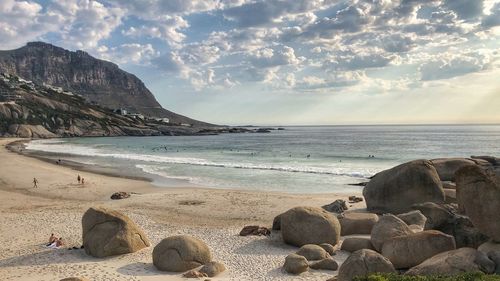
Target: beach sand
x=29 y=215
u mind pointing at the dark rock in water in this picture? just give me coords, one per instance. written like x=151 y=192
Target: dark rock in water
x=263 y=130
x=397 y=189
x=120 y=195
x=478 y=194
x=355 y=199
x=454 y=262
x=277 y=223
x=338 y=206
x=309 y=225
x=362 y=263
x=108 y=233
x=255 y=230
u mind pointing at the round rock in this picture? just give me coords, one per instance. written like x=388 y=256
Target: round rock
x=387 y=227
x=180 y=253
x=295 y=264
x=364 y=262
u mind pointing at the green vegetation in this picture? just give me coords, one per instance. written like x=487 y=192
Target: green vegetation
x=469 y=276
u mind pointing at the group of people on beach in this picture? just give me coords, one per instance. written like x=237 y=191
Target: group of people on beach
x=80 y=180
x=54 y=242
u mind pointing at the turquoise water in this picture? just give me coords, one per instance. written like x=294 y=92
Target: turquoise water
x=295 y=160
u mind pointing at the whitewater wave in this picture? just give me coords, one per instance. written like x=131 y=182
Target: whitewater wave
x=62 y=147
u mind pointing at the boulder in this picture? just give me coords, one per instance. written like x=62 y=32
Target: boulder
x=213 y=268
x=325 y=264
x=357 y=223
x=478 y=194
x=255 y=230
x=413 y=218
x=454 y=262
x=277 y=223
x=108 y=233
x=488 y=247
x=386 y=228
x=466 y=235
x=362 y=263
x=328 y=248
x=338 y=206
x=495 y=161
x=447 y=167
x=495 y=257
x=353 y=244
x=448 y=185
x=395 y=190
x=313 y=252
x=295 y=264
x=120 y=195
x=180 y=253
x=410 y=250
x=309 y=225
x=450 y=195
x=436 y=214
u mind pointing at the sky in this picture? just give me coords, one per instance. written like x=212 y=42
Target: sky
x=294 y=62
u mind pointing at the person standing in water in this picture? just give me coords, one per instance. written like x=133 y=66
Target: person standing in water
x=35 y=183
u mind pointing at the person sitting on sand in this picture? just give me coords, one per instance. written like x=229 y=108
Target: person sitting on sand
x=52 y=239
x=56 y=244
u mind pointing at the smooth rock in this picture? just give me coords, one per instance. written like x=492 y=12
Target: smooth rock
x=447 y=167
x=255 y=230
x=309 y=225
x=295 y=264
x=353 y=244
x=213 y=268
x=180 y=253
x=397 y=189
x=448 y=185
x=277 y=222
x=108 y=233
x=328 y=248
x=338 y=206
x=488 y=247
x=413 y=218
x=362 y=263
x=450 y=195
x=495 y=257
x=386 y=228
x=410 y=250
x=436 y=214
x=478 y=194
x=357 y=223
x=454 y=262
x=325 y=264
x=313 y=252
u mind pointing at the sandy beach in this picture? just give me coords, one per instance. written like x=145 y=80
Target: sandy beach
x=29 y=215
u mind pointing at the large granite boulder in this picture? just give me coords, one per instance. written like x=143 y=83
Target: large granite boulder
x=410 y=250
x=478 y=194
x=466 y=235
x=108 y=233
x=353 y=244
x=180 y=253
x=488 y=247
x=454 y=262
x=447 y=167
x=495 y=161
x=309 y=225
x=436 y=214
x=295 y=264
x=362 y=263
x=357 y=223
x=388 y=227
x=397 y=189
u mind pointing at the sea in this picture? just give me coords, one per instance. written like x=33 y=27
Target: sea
x=307 y=159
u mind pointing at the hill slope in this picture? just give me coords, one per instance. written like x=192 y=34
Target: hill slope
x=96 y=80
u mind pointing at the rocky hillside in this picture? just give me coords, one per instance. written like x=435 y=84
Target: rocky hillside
x=28 y=109
x=96 y=80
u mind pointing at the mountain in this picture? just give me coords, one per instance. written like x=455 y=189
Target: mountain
x=32 y=110
x=98 y=81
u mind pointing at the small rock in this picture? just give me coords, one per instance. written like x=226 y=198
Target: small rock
x=194 y=274
x=325 y=264
x=413 y=218
x=295 y=264
x=120 y=195
x=338 y=206
x=353 y=244
x=312 y=252
x=255 y=230
x=74 y=279
x=213 y=268
x=329 y=248
x=355 y=199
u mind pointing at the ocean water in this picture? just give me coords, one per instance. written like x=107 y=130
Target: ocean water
x=295 y=160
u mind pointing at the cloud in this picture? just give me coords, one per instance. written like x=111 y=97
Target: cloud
x=465 y=9
x=268 y=57
x=492 y=19
x=167 y=29
x=452 y=65
x=129 y=53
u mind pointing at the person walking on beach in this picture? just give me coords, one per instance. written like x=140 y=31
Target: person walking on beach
x=83 y=181
x=35 y=183
x=79 y=178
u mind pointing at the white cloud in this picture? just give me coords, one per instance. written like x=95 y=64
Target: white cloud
x=166 y=28
x=129 y=53
x=450 y=65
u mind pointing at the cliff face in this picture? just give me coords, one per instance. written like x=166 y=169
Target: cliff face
x=31 y=110
x=96 y=80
